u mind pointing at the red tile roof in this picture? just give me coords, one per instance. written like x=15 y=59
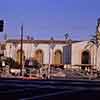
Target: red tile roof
x=37 y=41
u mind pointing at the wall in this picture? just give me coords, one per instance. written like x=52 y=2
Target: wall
x=78 y=48
x=30 y=48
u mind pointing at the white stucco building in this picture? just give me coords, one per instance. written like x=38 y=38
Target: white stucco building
x=48 y=52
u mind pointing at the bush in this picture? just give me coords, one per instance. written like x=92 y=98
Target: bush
x=9 y=61
x=32 y=63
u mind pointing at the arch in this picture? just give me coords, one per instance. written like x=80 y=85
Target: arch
x=18 y=56
x=58 y=57
x=85 y=58
x=39 y=56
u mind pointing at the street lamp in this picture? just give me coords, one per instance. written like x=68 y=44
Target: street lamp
x=68 y=43
x=51 y=47
x=21 y=48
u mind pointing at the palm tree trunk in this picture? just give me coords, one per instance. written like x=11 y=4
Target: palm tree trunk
x=96 y=58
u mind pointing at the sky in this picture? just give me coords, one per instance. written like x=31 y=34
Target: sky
x=43 y=19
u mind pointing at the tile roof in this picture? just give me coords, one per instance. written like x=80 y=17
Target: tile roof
x=38 y=41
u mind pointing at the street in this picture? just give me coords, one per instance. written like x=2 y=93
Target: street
x=17 y=89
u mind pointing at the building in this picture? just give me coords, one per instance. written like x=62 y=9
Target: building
x=45 y=51
x=57 y=52
x=79 y=54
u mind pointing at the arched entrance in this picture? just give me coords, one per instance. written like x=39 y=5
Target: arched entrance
x=18 y=56
x=85 y=58
x=39 y=56
x=58 y=57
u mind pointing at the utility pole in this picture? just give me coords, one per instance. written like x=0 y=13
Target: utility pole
x=21 y=53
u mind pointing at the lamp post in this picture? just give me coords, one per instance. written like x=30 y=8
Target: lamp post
x=66 y=37
x=68 y=43
x=51 y=47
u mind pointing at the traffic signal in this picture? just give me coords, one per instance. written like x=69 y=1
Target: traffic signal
x=1 y=25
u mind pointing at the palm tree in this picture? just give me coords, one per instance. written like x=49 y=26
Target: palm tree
x=93 y=41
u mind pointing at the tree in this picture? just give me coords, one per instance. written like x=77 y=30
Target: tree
x=91 y=42
x=94 y=41
x=11 y=62
x=32 y=63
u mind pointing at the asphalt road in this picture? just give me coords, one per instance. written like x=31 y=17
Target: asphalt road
x=17 y=89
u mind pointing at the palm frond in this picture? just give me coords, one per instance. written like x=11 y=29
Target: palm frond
x=89 y=45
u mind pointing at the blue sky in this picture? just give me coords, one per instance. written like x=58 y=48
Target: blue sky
x=45 y=18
